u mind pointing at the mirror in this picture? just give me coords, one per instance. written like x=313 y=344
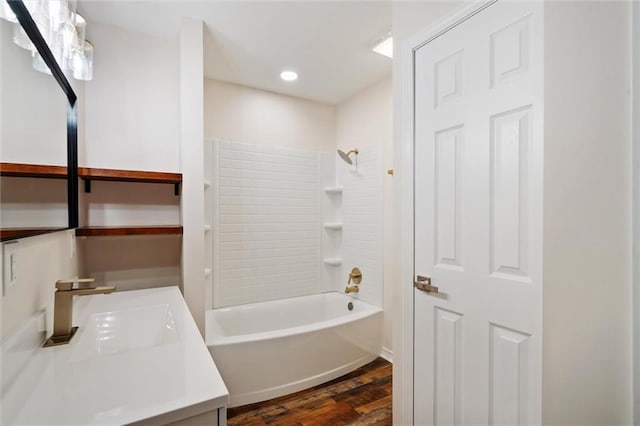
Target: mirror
x=38 y=149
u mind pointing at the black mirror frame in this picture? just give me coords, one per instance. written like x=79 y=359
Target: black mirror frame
x=30 y=27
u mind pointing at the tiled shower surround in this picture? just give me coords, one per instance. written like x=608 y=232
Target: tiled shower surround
x=278 y=232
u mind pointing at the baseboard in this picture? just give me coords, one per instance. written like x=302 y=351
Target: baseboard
x=387 y=354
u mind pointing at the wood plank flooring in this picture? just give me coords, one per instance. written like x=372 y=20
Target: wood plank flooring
x=362 y=397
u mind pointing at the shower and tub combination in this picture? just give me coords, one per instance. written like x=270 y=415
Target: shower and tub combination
x=295 y=279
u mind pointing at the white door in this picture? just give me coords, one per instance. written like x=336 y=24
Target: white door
x=478 y=220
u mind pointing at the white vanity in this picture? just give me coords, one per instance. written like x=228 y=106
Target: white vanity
x=137 y=358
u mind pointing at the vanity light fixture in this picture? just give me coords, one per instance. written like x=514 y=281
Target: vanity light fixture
x=289 y=75
x=384 y=45
x=63 y=28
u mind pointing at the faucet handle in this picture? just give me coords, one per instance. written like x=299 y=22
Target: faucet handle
x=355 y=276
x=66 y=285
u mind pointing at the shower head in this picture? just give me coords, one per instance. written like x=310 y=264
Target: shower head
x=345 y=156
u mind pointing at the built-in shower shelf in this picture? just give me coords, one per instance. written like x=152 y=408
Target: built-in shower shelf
x=334 y=226
x=112 y=231
x=333 y=189
x=332 y=261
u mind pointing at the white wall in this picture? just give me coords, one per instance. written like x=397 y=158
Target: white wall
x=587 y=368
x=33 y=203
x=364 y=121
x=243 y=114
x=42 y=260
x=128 y=203
x=132 y=102
x=132 y=263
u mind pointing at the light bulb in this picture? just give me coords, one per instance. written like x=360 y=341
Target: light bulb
x=289 y=75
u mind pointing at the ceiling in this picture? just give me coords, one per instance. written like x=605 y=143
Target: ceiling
x=328 y=43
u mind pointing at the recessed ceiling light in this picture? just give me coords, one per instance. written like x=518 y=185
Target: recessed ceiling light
x=384 y=46
x=289 y=75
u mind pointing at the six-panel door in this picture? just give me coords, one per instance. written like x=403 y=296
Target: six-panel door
x=478 y=220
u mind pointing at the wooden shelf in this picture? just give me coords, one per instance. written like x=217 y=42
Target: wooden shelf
x=10 y=233
x=128 y=175
x=112 y=231
x=88 y=174
x=33 y=171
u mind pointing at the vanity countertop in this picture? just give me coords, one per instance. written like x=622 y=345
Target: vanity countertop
x=137 y=357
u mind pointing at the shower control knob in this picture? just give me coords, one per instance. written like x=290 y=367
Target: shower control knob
x=356 y=276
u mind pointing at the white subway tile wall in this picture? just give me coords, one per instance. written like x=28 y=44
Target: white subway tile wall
x=362 y=212
x=266 y=223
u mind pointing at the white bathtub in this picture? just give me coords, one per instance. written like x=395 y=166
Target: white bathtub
x=268 y=349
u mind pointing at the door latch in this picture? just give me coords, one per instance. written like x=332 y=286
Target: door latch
x=424 y=284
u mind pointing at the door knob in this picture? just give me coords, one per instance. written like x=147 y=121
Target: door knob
x=424 y=284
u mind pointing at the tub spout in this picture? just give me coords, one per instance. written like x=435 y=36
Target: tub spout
x=351 y=289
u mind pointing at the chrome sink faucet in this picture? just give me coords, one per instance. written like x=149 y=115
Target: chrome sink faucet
x=356 y=276
x=63 y=330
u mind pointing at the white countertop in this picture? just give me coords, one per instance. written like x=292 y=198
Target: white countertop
x=137 y=355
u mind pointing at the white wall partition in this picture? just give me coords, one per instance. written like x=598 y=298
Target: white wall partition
x=266 y=223
x=587 y=243
x=192 y=166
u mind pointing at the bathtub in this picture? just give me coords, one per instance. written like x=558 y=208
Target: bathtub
x=269 y=349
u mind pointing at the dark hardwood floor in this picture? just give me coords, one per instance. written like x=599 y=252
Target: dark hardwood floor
x=362 y=397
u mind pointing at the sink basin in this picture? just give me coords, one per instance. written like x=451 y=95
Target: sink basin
x=138 y=356
x=113 y=332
